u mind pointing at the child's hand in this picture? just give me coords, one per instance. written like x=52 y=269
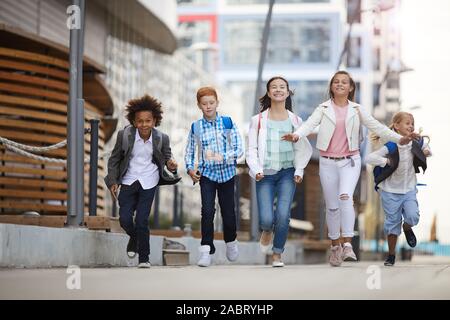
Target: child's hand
x=290 y=137
x=172 y=165
x=113 y=190
x=195 y=176
x=259 y=177
x=298 y=179
x=426 y=152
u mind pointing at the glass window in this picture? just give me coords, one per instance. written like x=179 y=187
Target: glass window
x=353 y=11
x=354 y=53
x=193 y=32
x=290 y=41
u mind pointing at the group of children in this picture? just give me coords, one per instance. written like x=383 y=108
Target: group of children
x=277 y=153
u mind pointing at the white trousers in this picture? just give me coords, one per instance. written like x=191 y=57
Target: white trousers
x=339 y=179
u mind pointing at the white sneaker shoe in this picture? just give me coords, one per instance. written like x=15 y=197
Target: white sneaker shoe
x=276 y=261
x=145 y=265
x=336 y=256
x=265 y=241
x=205 y=257
x=347 y=253
x=232 y=250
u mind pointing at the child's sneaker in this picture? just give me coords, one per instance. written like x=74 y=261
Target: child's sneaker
x=132 y=247
x=265 y=241
x=390 y=261
x=232 y=250
x=276 y=261
x=144 y=265
x=205 y=257
x=347 y=253
x=336 y=256
x=410 y=237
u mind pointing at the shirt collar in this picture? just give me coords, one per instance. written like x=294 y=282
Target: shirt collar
x=211 y=121
x=138 y=137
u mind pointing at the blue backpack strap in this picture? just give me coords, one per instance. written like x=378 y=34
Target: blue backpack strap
x=227 y=122
x=391 y=146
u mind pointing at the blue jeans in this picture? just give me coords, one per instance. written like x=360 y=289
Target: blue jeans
x=135 y=198
x=282 y=186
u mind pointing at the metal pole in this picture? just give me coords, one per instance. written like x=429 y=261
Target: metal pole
x=175 y=206
x=254 y=227
x=156 y=210
x=75 y=128
x=93 y=167
x=262 y=55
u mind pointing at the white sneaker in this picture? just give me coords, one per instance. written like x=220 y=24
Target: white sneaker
x=265 y=241
x=232 y=250
x=205 y=257
x=276 y=261
x=144 y=265
x=336 y=256
x=347 y=253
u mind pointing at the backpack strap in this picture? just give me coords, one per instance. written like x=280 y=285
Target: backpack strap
x=391 y=146
x=125 y=134
x=196 y=131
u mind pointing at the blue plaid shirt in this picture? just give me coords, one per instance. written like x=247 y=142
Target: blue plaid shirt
x=219 y=149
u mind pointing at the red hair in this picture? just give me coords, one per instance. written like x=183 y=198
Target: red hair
x=206 y=91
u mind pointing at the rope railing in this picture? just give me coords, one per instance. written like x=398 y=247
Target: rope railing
x=26 y=151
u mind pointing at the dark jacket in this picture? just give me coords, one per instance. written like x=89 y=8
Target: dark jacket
x=120 y=157
x=419 y=161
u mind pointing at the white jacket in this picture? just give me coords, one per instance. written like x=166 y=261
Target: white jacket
x=256 y=146
x=325 y=117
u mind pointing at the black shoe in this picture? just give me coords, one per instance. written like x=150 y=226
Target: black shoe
x=132 y=247
x=390 y=261
x=410 y=238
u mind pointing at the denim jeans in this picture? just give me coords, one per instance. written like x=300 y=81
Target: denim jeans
x=281 y=186
x=225 y=192
x=135 y=198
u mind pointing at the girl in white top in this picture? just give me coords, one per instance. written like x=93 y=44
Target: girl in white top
x=277 y=166
x=398 y=185
x=338 y=141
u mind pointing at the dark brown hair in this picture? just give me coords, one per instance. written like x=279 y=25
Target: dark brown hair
x=146 y=103
x=265 y=102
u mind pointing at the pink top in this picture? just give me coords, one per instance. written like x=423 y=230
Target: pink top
x=338 y=146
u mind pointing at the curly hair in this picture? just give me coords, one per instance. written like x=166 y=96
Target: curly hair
x=145 y=103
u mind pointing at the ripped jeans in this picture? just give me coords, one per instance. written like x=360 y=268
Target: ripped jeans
x=339 y=179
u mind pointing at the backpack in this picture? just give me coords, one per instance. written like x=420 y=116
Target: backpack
x=379 y=171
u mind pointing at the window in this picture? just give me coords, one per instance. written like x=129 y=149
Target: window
x=354 y=53
x=353 y=11
x=290 y=41
x=191 y=32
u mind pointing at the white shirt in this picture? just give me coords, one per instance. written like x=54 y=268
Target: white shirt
x=402 y=180
x=141 y=166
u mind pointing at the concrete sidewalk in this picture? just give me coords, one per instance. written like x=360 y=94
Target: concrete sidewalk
x=357 y=280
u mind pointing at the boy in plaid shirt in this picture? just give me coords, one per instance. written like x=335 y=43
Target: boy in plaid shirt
x=217 y=143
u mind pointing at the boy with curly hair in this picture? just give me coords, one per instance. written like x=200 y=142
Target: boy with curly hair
x=137 y=165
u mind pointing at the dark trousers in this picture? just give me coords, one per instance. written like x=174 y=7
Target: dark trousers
x=135 y=198
x=225 y=192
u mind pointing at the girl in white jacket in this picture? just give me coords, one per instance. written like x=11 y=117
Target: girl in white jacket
x=276 y=165
x=338 y=141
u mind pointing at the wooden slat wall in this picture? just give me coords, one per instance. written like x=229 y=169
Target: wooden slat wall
x=33 y=110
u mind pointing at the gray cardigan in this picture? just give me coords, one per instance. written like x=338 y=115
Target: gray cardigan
x=121 y=154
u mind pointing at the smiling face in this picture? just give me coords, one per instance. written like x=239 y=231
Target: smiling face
x=341 y=86
x=208 y=105
x=144 y=122
x=405 y=126
x=278 y=90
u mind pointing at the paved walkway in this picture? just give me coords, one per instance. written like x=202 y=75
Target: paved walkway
x=419 y=279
